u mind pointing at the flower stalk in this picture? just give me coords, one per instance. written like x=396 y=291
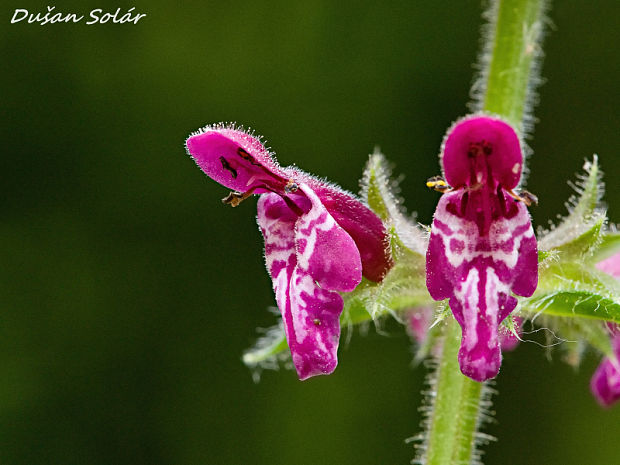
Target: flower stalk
x=505 y=87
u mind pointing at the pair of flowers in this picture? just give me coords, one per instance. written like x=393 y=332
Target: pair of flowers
x=321 y=240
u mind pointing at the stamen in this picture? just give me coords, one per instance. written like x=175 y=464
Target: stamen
x=235 y=198
x=439 y=184
x=291 y=187
x=526 y=197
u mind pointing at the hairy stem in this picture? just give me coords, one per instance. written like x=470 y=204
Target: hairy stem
x=454 y=408
x=509 y=60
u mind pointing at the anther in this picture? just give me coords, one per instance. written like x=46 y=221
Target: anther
x=235 y=198
x=439 y=184
x=291 y=187
x=526 y=197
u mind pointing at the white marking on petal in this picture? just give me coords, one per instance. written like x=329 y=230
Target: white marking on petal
x=493 y=287
x=501 y=232
x=467 y=294
x=310 y=220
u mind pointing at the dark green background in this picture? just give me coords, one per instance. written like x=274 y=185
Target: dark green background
x=128 y=291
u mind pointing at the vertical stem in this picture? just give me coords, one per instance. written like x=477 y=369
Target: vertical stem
x=454 y=419
x=511 y=70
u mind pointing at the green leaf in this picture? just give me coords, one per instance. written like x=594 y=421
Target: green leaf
x=590 y=189
x=268 y=351
x=584 y=245
x=375 y=190
x=403 y=287
x=584 y=212
x=577 y=303
x=609 y=245
x=379 y=192
x=577 y=275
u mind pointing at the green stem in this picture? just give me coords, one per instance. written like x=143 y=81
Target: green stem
x=509 y=76
x=511 y=69
x=455 y=408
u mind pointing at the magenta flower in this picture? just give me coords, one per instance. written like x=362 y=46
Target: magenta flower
x=319 y=240
x=509 y=341
x=611 y=265
x=419 y=320
x=482 y=247
x=605 y=383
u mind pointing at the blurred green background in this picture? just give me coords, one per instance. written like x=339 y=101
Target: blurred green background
x=129 y=292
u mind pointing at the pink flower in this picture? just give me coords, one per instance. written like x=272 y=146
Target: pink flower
x=319 y=240
x=611 y=265
x=605 y=383
x=419 y=320
x=508 y=341
x=482 y=247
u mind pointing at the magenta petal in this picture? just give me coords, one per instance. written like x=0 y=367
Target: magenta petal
x=501 y=147
x=507 y=340
x=477 y=263
x=605 y=383
x=364 y=227
x=479 y=355
x=611 y=265
x=308 y=258
x=236 y=160
x=419 y=321
x=325 y=250
x=313 y=327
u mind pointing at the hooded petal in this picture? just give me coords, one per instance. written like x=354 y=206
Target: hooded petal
x=236 y=160
x=497 y=145
x=309 y=258
x=240 y=162
x=477 y=263
x=605 y=383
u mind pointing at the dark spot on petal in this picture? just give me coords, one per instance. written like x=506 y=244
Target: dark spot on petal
x=227 y=167
x=479 y=148
x=487 y=149
x=472 y=150
x=246 y=156
x=317 y=322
